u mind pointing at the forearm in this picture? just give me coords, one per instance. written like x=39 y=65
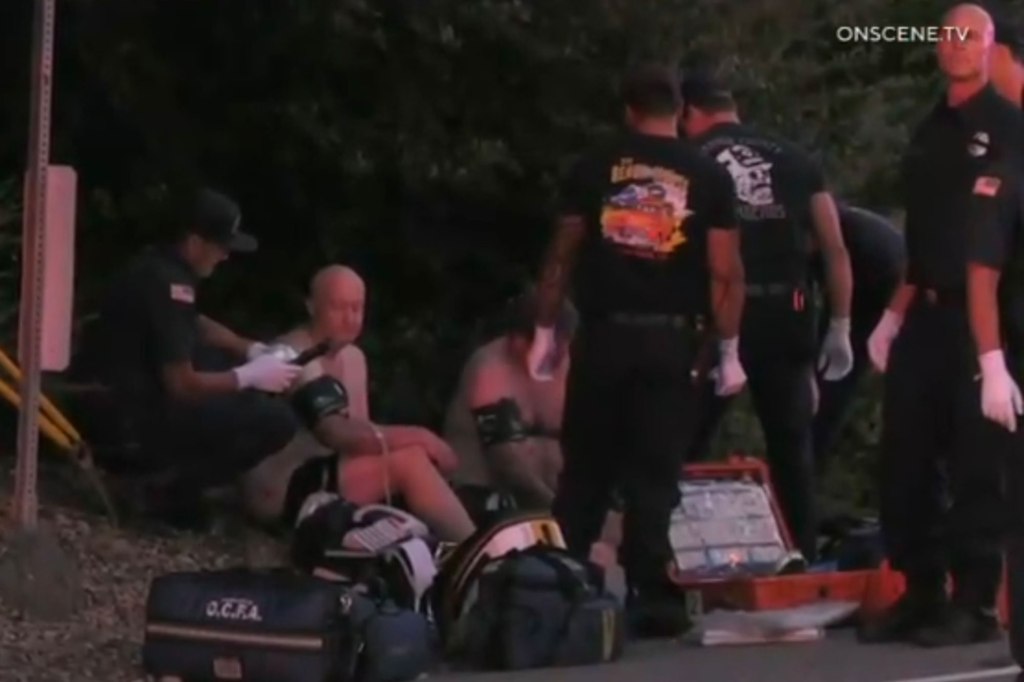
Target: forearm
x=348 y=436
x=728 y=294
x=556 y=270
x=982 y=307
x=840 y=281
x=902 y=298
x=193 y=385
x=215 y=334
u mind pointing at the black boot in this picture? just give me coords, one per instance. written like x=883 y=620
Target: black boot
x=920 y=606
x=657 y=612
x=960 y=625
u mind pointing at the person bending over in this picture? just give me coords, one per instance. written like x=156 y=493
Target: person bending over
x=155 y=409
x=342 y=451
x=503 y=424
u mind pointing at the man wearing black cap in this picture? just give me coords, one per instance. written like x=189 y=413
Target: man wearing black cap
x=784 y=210
x=165 y=413
x=652 y=226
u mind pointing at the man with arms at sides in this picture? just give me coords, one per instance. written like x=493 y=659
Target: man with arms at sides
x=877 y=258
x=936 y=448
x=651 y=223
x=995 y=301
x=163 y=413
x=784 y=210
x=503 y=424
x=342 y=452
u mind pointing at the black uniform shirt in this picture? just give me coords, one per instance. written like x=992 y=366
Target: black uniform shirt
x=774 y=182
x=648 y=203
x=947 y=153
x=147 y=320
x=876 y=248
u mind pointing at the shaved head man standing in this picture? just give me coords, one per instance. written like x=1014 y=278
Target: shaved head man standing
x=936 y=443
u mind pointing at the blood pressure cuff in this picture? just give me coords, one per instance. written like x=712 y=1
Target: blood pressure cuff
x=499 y=422
x=320 y=398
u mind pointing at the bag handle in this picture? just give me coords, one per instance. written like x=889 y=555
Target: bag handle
x=547 y=554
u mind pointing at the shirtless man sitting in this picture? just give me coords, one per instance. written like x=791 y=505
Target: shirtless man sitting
x=343 y=450
x=504 y=425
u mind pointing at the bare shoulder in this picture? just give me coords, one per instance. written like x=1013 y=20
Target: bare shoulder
x=353 y=357
x=487 y=359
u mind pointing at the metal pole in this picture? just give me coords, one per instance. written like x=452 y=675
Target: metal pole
x=26 y=507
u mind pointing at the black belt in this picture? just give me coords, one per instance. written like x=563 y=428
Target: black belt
x=657 y=320
x=774 y=289
x=942 y=297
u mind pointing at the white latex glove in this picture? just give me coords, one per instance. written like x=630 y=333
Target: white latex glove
x=886 y=331
x=836 y=357
x=267 y=373
x=1000 y=396
x=541 y=358
x=257 y=349
x=729 y=375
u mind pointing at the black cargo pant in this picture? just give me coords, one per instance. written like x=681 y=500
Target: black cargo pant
x=777 y=352
x=941 y=460
x=629 y=389
x=836 y=397
x=200 y=444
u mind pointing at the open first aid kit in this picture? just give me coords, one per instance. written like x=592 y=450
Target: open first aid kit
x=732 y=545
x=279 y=626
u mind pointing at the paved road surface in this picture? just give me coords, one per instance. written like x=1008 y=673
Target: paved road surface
x=839 y=658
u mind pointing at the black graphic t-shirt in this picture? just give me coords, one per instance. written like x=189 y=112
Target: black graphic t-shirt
x=648 y=203
x=774 y=182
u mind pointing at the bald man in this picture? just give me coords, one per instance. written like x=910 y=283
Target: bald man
x=342 y=451
x=937 y=447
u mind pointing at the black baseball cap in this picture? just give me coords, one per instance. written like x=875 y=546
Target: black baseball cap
x=702 y=89
x=217 y=218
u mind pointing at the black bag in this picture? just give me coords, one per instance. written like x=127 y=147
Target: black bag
x=278 y=626
x=541 y=607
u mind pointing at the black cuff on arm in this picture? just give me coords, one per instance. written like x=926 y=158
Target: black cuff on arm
x=499 y=422
x=320 y=398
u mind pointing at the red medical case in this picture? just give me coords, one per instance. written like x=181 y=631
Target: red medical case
x=874 y=590
x=758 y=519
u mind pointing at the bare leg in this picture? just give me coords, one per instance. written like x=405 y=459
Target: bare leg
x=362 y=479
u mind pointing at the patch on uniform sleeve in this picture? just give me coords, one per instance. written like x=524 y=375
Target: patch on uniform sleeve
x=183 y=293
x=987 y=186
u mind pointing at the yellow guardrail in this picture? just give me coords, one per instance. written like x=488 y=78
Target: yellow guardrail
x=57 y=429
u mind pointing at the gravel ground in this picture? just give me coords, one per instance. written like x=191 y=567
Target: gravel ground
x=102 y=640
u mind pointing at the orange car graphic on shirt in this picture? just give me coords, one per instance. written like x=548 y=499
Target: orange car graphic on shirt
x=646 y=218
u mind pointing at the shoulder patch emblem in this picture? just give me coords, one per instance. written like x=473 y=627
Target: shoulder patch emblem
x=987 y=186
